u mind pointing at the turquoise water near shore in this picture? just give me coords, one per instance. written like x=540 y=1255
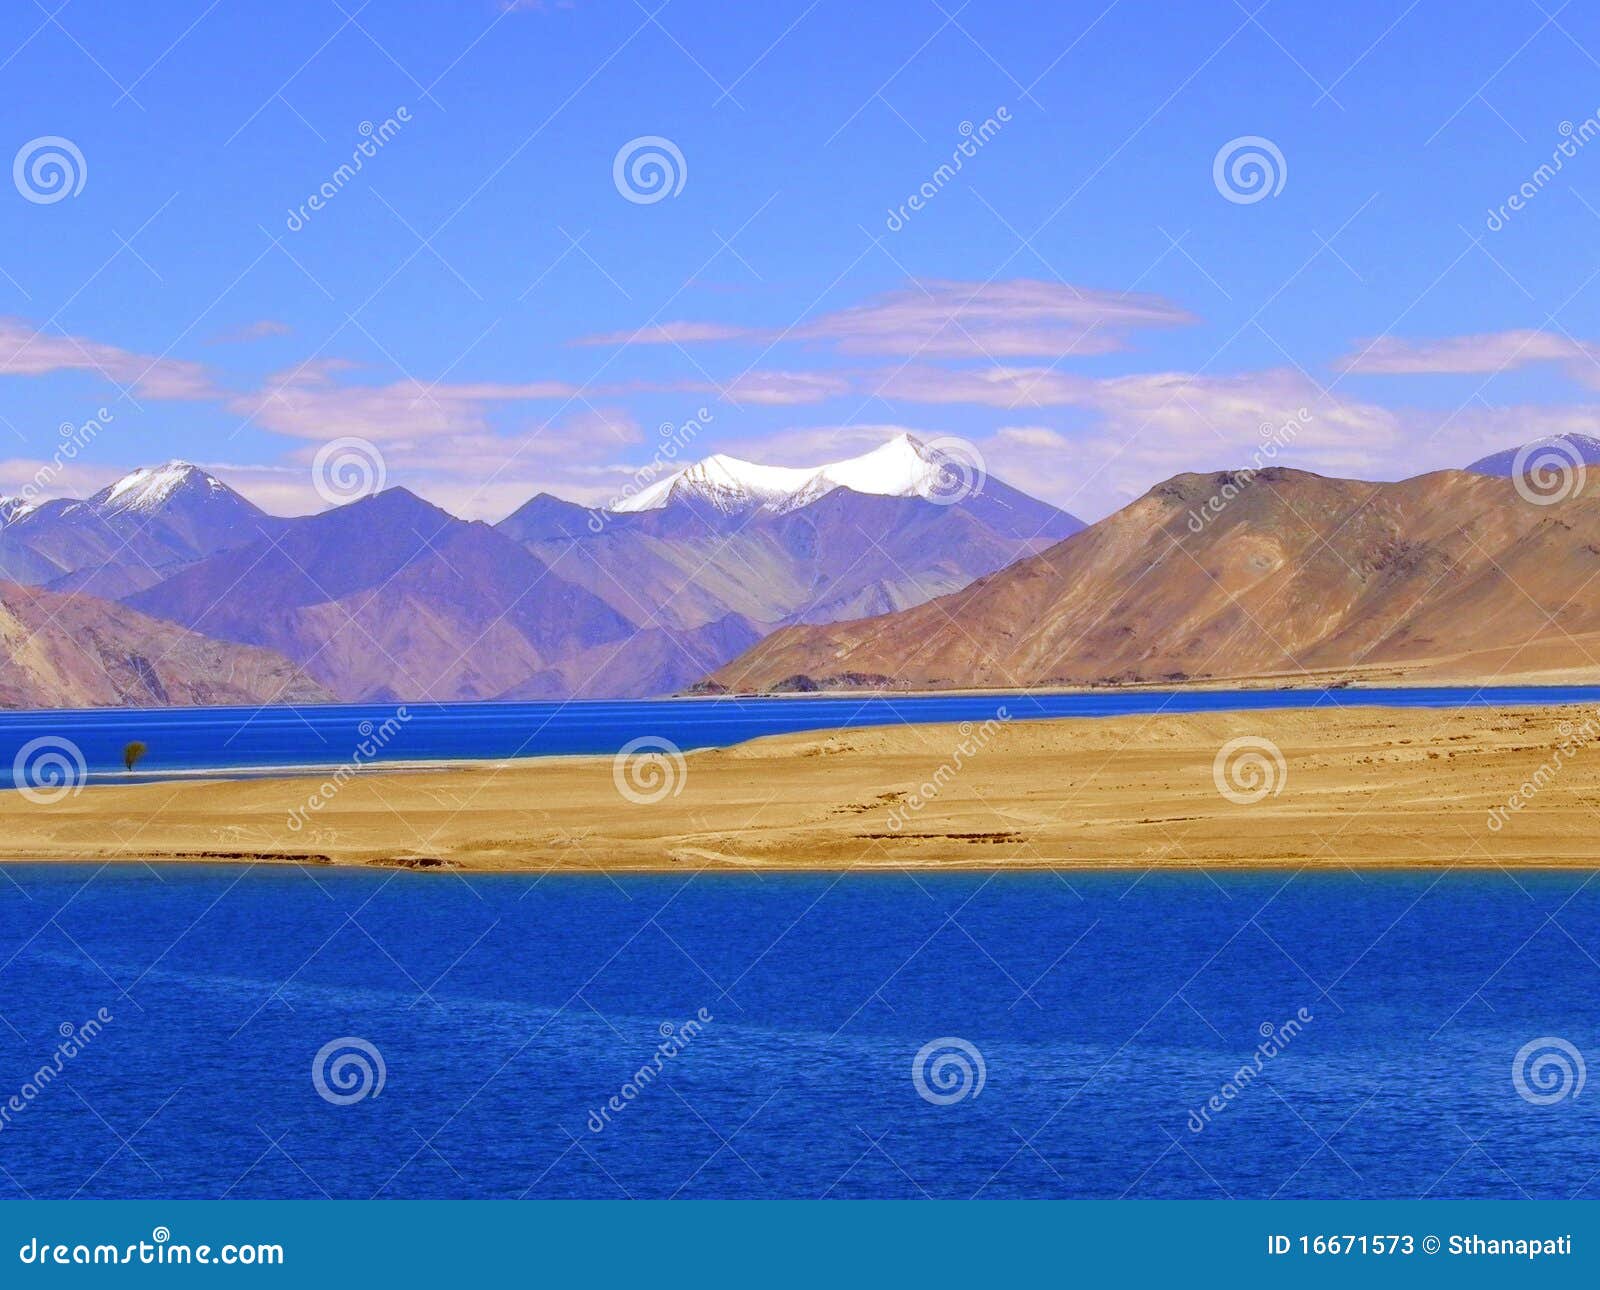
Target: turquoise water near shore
x=1103 y=1012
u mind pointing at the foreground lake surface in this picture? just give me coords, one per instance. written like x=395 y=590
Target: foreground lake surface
x=188 y=739
x=508 y=1011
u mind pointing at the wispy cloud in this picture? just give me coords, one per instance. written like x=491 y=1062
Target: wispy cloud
x=308 y=402
x=29 y=351
x=770 y=388
x=1483 y=354
x=261 y=330
x=939 y=318
x=672 y=333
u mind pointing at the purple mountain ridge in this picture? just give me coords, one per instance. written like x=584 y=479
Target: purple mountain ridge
x=391 y=597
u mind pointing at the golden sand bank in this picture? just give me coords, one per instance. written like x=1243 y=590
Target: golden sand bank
x=1359 y=787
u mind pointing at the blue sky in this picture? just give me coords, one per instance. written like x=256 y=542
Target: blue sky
x=1080 y=301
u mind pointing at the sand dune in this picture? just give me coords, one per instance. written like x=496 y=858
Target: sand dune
x=1358 y=787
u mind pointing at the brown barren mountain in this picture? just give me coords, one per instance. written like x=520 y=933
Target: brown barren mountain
x=1283 y=575
x=76 y=651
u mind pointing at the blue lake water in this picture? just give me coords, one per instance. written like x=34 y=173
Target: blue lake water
x=507 y=1010
x=186 y=739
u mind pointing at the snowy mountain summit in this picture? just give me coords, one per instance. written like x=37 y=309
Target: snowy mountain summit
x=151 y=488
x=902 y=467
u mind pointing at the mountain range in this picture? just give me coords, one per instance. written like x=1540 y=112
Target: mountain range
x=391 y=597
x=903 y=567
x=1570 y=448
x=127 y=536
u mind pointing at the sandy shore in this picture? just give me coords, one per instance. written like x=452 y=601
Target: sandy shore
x=1358 y=787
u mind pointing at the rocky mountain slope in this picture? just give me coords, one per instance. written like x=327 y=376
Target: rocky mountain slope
x=75 y=651
x=1282 y=574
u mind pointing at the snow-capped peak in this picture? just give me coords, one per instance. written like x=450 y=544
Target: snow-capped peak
x=13 y=509
x=726 y=482
x=149 y=487
x=902 y=467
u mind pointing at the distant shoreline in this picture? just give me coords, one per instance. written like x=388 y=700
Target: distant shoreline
x=111 y=776
x=1297 y=683
x=1357 y=787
